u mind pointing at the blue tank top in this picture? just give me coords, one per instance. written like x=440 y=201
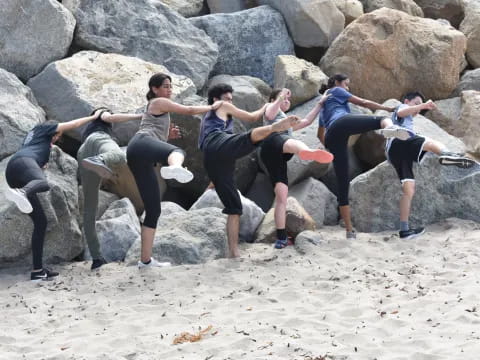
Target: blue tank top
x=210 y=123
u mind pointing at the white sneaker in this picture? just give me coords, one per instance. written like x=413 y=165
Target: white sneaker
x=152 y=263
x=397 y=132
x=19 y=197
x=181 y=174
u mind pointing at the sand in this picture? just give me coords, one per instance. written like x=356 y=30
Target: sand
x=377 y=297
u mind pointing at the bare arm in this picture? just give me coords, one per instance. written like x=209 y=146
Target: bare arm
x=307 y=121
x=412 y=110
x=231 y=109
x=372 y=105
x=73 y=124
x=163 y=105
x=118 y=118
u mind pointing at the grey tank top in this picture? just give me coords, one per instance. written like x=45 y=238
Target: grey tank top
x=281 y=115
x=155 y=125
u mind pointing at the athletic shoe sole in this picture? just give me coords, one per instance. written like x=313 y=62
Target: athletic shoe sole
x=413 y=235
x=321 y=156
x=101 y=170
x=463 y=163
x=157 y=264
x=397 y=133
x=21 y=201
x=180 y=174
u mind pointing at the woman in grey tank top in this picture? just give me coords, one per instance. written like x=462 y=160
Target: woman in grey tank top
x=148 y=147
x=279 y=148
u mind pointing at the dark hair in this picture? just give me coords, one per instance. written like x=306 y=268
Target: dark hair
x=217 y=91
x=412 y=95
x=331 y=82
x=156 y=81
x=105 y=109
x=274 y=94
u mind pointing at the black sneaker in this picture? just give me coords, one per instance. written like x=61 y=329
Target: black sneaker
x=96 y=263
x=411 y=233
x=449 y=158
x=43 y=275
x=97 y=165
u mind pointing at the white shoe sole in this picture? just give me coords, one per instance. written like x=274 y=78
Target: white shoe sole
x=180 y=174
x=397 y=133
x=413 y=236
x=22 y=202
x=103 y=171
x=141 y=265
x=463 y=163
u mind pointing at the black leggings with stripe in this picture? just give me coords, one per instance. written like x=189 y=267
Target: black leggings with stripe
x=336 y=141
x=24 y=173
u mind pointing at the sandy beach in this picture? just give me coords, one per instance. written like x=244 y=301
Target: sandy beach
x=374 y=298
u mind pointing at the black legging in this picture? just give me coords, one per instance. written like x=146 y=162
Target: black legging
x=143 y=152
x=336 y=140
x=24 y=173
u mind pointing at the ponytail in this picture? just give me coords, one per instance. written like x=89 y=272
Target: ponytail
x=331 y=82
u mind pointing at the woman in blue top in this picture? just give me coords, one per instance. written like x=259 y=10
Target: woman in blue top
x=336 y=124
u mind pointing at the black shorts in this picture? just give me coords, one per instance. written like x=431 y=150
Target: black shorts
x=403 y=153
x=272 y=156
x=220 y=150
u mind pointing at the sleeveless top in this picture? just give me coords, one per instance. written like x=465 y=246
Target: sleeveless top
x=157 y=126
x=210 y=123
x=281 y=115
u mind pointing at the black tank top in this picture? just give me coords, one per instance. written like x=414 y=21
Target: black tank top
x=97 y=125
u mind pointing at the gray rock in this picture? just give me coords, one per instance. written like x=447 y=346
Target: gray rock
x=317 y=200
x=447 y=114
x=117 y=230
x=63 y=240
x=451 y=10
x=441 y=192
x=169 y=208
x=261 y=192
x=249 y=221
x=470 y=26
x=312 y=23
x=222 y=6
x=408 y=6
x=19 y=113
x=263 y=37
x=91 y=79
x=187 y=8
x=33 y=34
x=469 y=81
x=152 y=32
x=307 y=241
x=351 y=9
x=192 y=237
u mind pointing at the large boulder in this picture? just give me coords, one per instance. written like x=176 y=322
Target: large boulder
x=249 y=93
x=470 y=26
x=33 y=34
x=451 y=10
x=261 y=192
x=441 y=192
x=192 y=237
x=222 y=6
x=63 y=241
x=117 y=230
x=317 y=200
x=187 y=8
x=312 y=23
x=297 y=220
x=351 y=9
x=380 y=48
x=19 y=113
x=469 y=81
x=150 y=31
x=263 y=37
x=91 y=79
x=447 y=114
x=249 y=221
x=408 y=6
x=302 y=78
